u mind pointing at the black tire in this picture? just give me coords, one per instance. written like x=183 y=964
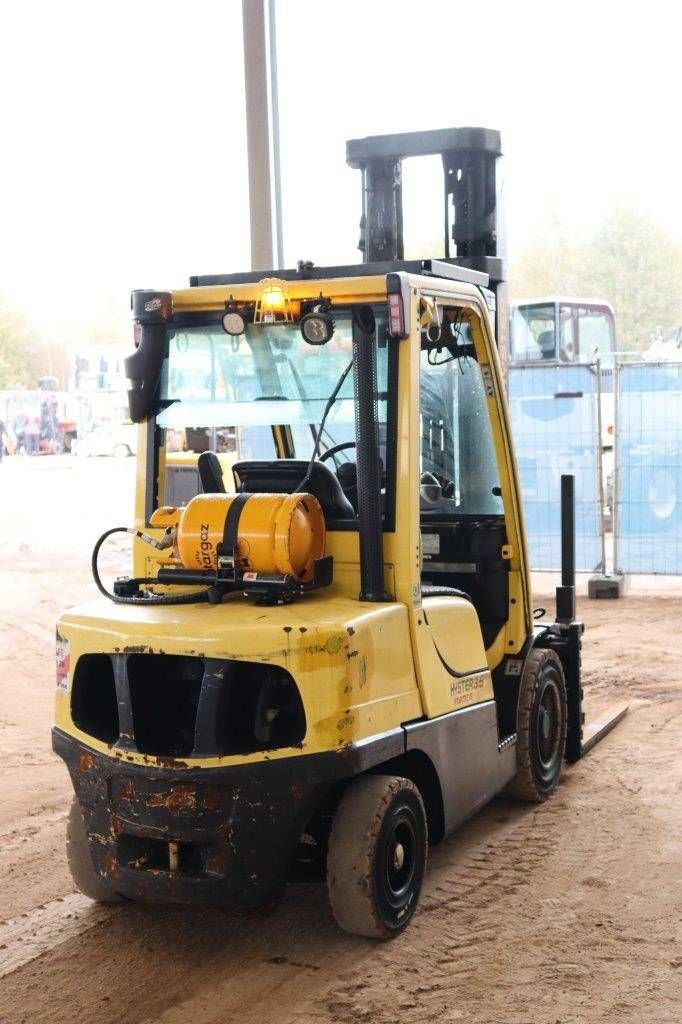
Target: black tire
x=540 y=728
x=83 y=872
x=377 y=856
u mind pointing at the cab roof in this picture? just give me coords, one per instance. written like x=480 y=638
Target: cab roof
x=550 y=300
x=305 y=271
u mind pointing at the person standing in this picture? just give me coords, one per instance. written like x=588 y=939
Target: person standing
x=19 y=429
x=32 y=434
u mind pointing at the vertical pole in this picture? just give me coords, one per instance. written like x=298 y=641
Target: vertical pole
x=276 y=162
x=567 y=530
x=615 y=489
x=258 y=132
x=565 y=594
x=368 y=462
x=600 y=470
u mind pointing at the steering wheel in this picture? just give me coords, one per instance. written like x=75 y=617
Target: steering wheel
x=332 y=452
x=433 y=487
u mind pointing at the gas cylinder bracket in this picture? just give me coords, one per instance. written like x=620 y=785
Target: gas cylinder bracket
x=270 y=588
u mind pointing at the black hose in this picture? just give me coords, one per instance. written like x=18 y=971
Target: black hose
x=318 y=440
x=147 y=598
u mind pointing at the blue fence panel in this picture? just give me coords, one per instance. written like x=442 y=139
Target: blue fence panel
x=555 y=424
x=649 y=468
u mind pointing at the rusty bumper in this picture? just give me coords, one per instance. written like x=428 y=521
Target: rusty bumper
x=216 y=836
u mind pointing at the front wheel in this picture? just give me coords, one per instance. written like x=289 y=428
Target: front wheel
x=541 y=728
x=377 y=856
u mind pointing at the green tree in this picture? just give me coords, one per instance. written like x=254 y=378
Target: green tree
x=637 y=266
x=551 y=263
x=27 y=353
x=18 y=348
x=630 y=261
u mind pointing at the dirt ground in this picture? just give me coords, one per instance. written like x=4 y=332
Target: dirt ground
x=565 y=912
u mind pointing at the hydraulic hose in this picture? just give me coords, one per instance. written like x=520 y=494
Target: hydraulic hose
x=148 y=598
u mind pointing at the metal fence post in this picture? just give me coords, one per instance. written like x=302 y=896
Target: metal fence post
x=600 y=470
x=616 y=468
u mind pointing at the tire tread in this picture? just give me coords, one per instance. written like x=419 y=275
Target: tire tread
x=354 y=833
x=524 y=784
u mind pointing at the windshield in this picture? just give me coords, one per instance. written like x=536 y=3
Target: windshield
x=227 y=393
x=533 y=334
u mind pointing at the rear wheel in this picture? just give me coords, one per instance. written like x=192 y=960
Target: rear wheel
x=78 y=857
x=541 y=728
x=377 y=856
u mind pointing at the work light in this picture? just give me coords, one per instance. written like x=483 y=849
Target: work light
x=317 y=326
x=233 y=321
x=273 y=304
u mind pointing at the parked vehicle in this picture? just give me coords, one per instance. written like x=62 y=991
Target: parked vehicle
x=117 y=439
x=50 y=416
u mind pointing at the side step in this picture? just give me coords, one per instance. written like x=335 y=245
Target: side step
x=595 y=731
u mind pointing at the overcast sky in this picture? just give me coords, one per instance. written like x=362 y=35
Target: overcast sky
x=124 y=156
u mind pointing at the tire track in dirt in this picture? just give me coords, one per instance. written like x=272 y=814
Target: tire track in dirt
x=29 y=826
x=35 y=783
x=554 y=922
x=24 y=938
x=295 y=953
x=457 y=924
x=42 y=631
x=167 y=967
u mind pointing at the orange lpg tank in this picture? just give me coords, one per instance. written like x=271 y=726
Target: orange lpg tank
x=276 y=533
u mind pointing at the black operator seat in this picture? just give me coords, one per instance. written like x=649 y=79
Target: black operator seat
x=210 y=473
x=347 y=475
x=284 y=476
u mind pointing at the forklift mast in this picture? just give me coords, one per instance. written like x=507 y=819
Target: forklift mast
x=472 y=210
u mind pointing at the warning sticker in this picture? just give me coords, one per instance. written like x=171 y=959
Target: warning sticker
x=488 y=382
x=63 y=663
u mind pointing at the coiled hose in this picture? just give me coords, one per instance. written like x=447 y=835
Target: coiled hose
x=148 y=598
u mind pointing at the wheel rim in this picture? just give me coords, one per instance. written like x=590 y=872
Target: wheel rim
x=399 y=866
x=548 y=729
x=399 y=861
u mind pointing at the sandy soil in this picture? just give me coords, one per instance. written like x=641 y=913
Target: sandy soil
x=567 y=912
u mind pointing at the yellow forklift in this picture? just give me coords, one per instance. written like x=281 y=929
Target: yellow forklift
x=326 y=657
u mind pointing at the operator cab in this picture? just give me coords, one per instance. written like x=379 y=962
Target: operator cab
x=557 y=333
x=563 y=331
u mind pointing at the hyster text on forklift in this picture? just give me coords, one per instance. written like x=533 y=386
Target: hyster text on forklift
x=326 y=659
